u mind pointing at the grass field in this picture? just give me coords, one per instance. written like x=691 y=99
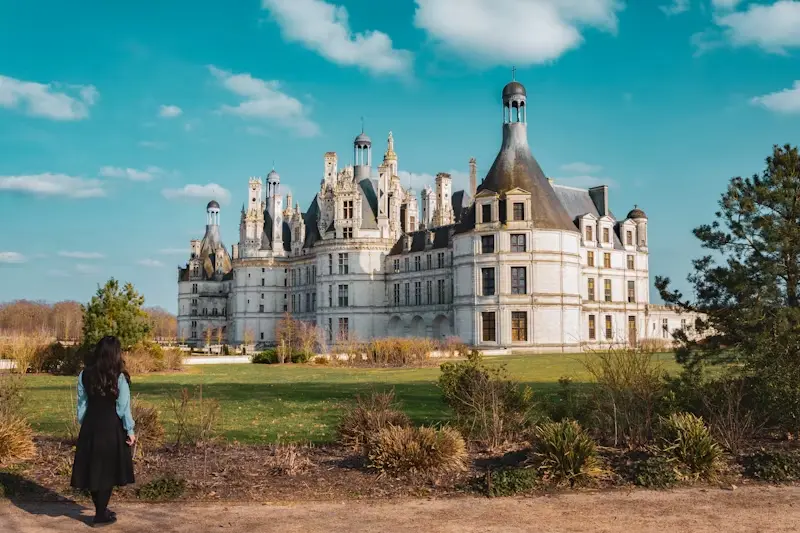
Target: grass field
x=294 y=402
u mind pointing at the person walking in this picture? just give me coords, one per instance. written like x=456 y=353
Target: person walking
x=103 y=458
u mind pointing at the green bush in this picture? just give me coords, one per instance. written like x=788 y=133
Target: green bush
x=372 y=413
x=686 y=438
x=301 y=357
x=655 y=472
x=777 y=467
x=568 y=403
x=63 y=360
x=417 y=452
x=162 y=489
x=565 y=453
x=508 y=482
x=267 y=357
x=489 y=408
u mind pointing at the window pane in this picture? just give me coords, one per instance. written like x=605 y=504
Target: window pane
x=488 y=323
x=487 y=244
x=487 y=277
x=519 y=211
x=519 y=326
x=486 y=213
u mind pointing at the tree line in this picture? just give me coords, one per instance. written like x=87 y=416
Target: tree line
x=64 y=320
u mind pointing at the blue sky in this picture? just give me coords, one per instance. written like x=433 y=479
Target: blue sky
x=120 y=120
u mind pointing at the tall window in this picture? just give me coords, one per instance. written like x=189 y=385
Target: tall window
x=330 y=330
x=589 y=233
x=590 y=289
x=396 y=265
x=631 y=292
x=408 y=293
x=313 y=301
x=348 y=209
x=261 y=308
x=294 y=278
x=609 y=329
x=429 y=260
x=592 y=328
x=194 y=288
x=606 y=235
x=344 y=264
x=344 y=329
x=343 y=293
x=487 y=244
x=488 y=325
x=487 y=281
x=405 y=264
x=519 y=211
x=518 y=282
x=417 y=263
x=607 y=289
x=683 y=324
x=518 y=242
x=440 y=260
x=330 y=295
x=590 y=259
x=347 y=233
x=330 y=264
x=396 y=294
x=519 y=326
x=664 y=328
x=308 y=302
x=440 y=290
x=629 y=238
x=630 y=262
x=486 y=213
x=429 y=291
x=632 y=329
x=606 y=260
x=417 y=293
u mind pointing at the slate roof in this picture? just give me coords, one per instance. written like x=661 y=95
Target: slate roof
x=578 y=202
x=461 y=202
x=419 y=240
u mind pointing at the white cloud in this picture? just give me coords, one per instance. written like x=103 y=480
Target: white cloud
x=324 y=28
x=131 y=173
x=82 y=255
x=584 y=182
x=155 y=145
x=86 y=269
x=771 y=27
x=55 y=101
x=12 y=257
x=48 y=184
x=169 y=111
x=676 y=7
x=581 y=168
x=265 y=100
x=211 y=191
x=174 y=251
x=785 y=101
x=150 y=263
x=521 y=32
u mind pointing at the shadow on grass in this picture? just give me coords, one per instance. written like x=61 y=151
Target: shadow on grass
x=35 y=499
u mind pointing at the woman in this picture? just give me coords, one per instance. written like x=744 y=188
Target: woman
x=103 y=456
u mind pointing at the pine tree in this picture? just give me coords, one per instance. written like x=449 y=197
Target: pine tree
x=115 y=311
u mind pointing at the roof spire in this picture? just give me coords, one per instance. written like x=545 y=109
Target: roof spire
x=513 y=73
x=362 y=124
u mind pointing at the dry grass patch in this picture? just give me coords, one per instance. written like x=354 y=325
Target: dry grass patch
x=372 y=413
x=288 y=459
x=149 y=430
x=417 y=452
x=16 y=440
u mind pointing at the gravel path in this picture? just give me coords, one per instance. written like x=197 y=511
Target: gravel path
x=750 y=509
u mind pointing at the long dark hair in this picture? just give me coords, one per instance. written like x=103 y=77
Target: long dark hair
x=103 y=368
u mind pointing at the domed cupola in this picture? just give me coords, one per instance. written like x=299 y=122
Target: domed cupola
x=515 y=167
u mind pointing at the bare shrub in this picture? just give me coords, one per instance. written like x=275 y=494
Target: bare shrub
x=372 y=413
x=655 y=345
x=196 y=418
x=149 y=430
x=397 y=351
x=490 y=408
x=297 y=340
x=727 y=405
x=288 y=459
x=11 y=393
x=16 y=439
x=150 y=357
x=417 y=452
x=629 y=383
x=27 y=351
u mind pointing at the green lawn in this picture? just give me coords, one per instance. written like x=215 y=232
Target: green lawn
x=293 y=402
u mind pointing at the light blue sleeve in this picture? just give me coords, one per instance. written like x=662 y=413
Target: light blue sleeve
x=124 y=405
x=81 y=399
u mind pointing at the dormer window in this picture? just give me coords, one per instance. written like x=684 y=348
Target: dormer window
x=519 y=211
x=348 y=209
x=606 y=235
x=486 y=213
x=589 y=233
x=629 y=238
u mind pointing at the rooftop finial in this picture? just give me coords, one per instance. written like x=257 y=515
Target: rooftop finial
x=513 y=73
x=362 y=124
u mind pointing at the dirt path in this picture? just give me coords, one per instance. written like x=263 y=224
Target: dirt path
x=756 y=509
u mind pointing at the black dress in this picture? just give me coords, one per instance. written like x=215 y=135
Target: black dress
x=102 y=458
